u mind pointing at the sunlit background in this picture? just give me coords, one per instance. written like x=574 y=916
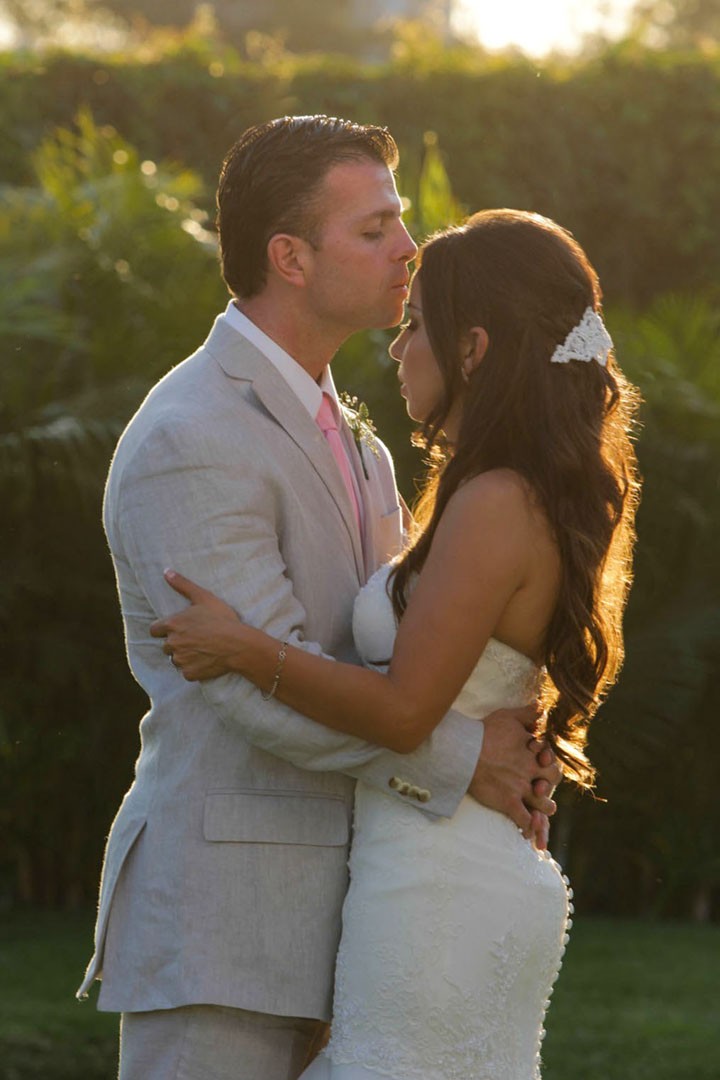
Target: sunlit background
x=538 y=28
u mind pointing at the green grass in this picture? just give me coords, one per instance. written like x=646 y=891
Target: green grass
x=636 y=1001
x=44 y=1031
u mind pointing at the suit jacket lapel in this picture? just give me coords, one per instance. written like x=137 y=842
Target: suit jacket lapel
x=241 y=360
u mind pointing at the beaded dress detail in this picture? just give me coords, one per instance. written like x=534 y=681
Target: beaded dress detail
x=453 y=930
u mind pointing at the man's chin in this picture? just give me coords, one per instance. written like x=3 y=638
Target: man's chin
x=389 y=321
x=386 y=319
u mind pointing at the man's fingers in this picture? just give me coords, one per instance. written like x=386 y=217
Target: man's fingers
x=187 y=588
x=543 y=803
x=529 y=716
x=518 y=813
x=541 y=786
x=543 y=751
x=547 y=764
x=552 y=773
x=541 y=830
x=545 y=757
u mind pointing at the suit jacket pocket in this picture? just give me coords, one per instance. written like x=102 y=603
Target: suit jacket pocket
x=276 y=817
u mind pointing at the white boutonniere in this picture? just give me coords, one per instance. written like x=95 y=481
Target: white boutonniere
x=357 y=418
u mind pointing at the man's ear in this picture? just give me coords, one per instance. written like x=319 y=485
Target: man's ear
x=287 y=257
x=473 y=347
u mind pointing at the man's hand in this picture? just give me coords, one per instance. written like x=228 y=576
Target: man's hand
x=516 y=773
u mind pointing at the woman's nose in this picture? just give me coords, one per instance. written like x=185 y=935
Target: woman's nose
x=394 y=348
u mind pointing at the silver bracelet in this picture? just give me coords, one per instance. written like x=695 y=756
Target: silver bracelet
x=278 y=672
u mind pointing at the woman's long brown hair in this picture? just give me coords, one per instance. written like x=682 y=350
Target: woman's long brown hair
x=565 y=428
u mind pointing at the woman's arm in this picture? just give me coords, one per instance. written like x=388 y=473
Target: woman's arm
x=479 y=559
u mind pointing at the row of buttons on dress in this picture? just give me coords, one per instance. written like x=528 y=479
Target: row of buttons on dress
x=565 y=940
x=404 y=787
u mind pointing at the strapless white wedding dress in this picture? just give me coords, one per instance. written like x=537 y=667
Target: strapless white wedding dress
x=453 y=930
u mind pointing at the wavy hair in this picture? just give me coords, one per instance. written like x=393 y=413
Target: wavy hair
x=565 y=428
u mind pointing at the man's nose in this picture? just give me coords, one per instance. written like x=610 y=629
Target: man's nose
x=409 y=247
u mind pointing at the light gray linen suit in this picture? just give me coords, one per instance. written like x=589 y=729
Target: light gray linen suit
x=225 y=868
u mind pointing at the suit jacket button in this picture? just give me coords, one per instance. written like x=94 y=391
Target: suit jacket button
x=404 y=788
x=424 y=795
x=395 y=783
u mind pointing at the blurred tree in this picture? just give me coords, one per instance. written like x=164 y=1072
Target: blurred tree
x=45 y=19
x=107 y=278
x=158 y=12
x=654 y=741
x=434 y=205
x=676 y=23
x=300 y=26
x=41 y=13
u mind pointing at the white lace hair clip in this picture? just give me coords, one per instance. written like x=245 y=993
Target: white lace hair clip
x=589 y=340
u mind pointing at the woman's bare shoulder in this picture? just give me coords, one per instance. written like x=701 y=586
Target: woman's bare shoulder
x=503 y=491
x=501 y=508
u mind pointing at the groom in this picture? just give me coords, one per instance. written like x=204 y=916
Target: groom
x=225 y=869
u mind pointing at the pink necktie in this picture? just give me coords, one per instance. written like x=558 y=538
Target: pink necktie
x=328 y=425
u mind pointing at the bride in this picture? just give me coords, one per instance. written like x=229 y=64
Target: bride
x=513 y=584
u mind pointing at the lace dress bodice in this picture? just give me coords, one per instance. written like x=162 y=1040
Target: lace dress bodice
x=453 y=930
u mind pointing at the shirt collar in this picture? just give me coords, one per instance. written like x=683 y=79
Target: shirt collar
x=300 y=382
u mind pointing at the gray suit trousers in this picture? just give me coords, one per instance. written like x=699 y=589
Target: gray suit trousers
x=210 y=1042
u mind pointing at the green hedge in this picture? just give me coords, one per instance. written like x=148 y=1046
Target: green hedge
x=95 y=254
x=624 y=149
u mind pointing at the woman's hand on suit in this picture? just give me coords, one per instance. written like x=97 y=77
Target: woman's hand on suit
x=202 y=640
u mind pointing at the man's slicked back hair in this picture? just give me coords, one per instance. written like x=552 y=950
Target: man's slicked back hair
x=269 y=183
